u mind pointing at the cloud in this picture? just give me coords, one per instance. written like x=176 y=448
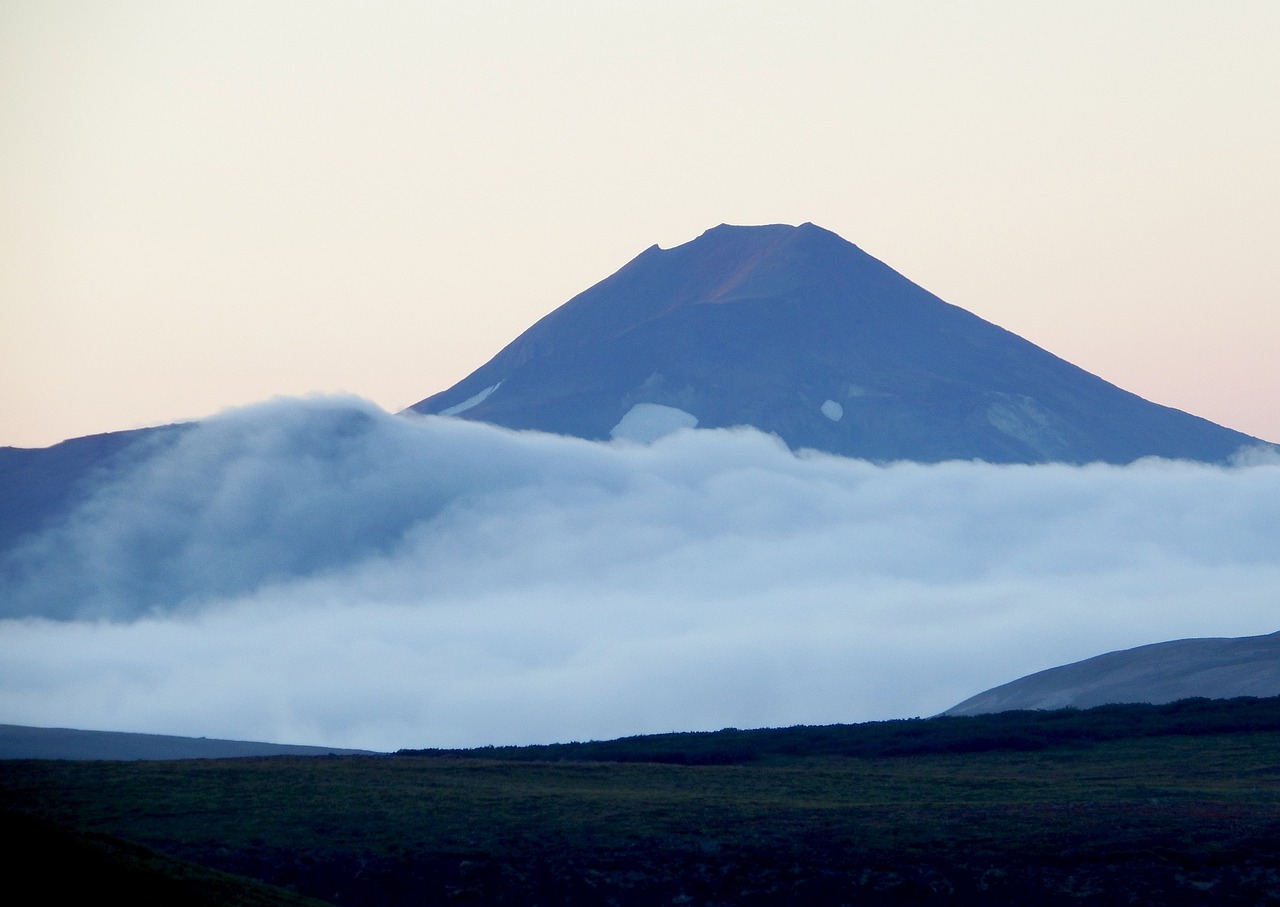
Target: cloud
x=321 y=571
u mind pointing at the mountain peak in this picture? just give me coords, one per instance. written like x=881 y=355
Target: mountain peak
x=759 y=231
x=762 y=238
x=754 y=233
x=796 y=331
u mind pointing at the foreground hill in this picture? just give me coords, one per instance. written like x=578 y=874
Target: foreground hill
x=69 y=867
x=1157 y=673
x=797 y=332
x=1105 y=814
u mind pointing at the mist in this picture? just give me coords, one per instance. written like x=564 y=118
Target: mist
x=320 y=571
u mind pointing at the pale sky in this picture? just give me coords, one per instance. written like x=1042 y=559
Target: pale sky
x=206 y=204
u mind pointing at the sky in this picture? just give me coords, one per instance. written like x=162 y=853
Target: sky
x=208 y=204
x=321 y=571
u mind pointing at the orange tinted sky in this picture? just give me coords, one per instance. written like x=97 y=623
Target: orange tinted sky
x=207 y=204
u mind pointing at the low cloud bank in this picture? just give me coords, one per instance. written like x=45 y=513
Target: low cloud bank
x=321 y=571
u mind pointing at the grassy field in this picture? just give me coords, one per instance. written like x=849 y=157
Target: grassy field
x=1169 y=818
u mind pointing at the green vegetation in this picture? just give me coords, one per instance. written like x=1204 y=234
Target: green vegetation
x=1183 y=807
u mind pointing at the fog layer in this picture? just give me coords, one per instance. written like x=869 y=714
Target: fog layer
x=321 y=571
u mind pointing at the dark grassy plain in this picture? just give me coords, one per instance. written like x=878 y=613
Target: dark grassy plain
x=1172 y=805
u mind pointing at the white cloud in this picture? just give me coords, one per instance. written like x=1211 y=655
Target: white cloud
x=320 y=571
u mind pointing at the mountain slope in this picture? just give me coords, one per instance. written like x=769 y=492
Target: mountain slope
x=797 y=332
x=19 y=742
x=1158 y=673
x=38 y=485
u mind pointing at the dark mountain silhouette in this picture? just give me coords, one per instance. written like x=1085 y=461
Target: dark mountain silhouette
x=795 y=331
x=1158 y=673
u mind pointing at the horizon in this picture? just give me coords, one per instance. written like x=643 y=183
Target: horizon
x=209 y=206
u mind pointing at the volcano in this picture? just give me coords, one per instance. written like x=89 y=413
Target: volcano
x=797 y=332
x=790 y=330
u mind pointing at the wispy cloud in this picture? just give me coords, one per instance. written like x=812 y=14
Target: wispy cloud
x=321 y=571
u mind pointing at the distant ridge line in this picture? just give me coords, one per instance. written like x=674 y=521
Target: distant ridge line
x=21 y=742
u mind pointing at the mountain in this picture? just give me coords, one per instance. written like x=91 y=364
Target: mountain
x=792 y=330
x=1158 y=673
x=38 y=485
x=798 y=332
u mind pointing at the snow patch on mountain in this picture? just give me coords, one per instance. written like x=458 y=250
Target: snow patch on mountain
x=645 y=423
x=470 y=401
x=1022 y=418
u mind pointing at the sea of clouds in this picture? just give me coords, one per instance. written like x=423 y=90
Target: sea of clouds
x=320 y=571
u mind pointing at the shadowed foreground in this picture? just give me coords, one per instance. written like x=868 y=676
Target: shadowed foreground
x=1175 y=818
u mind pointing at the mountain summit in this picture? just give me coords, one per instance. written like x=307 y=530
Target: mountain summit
x=795 y=331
